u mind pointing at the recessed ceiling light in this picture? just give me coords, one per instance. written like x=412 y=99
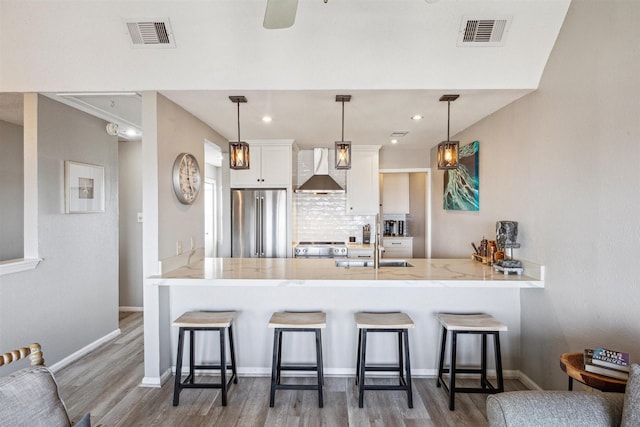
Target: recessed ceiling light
x=267 y=119
x=416 y=117
x=394 y=141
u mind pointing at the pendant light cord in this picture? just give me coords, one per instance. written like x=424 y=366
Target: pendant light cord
x=239 y=121
x=342 y=138
x=448 y=117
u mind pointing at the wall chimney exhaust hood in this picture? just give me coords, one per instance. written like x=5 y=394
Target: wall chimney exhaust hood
x=320 y=182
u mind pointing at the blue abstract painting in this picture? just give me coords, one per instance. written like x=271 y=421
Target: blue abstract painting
x=461 y=186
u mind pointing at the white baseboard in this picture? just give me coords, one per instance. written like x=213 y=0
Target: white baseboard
x=84 y=350
x=127 y=308
x=528 y=382
x=155 y=382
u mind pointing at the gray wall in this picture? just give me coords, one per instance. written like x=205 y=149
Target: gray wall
x=563 y=161
x=130 y=202
x=178 y=132
x=71 y=299
x=11 y=192
x=402 y=158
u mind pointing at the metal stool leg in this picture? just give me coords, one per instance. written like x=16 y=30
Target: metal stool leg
x=452 y=370
x=496 y=341
x=483 y=360
x=176 y=387
x=441 y=362
x=363 y=358
x=234 y=371
x=401 y=379
x=192 y=357
x=319 y=366
x=408 y=368
x=358 y=355
x=274 y=367
x=223 y=366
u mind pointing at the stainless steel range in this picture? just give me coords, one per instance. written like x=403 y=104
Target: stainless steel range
x=321 y=250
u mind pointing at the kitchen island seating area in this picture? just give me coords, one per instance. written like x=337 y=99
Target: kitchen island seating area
x=202 y=321
x=394 y=322
x=469 y=324
x=287 y=321
x=389 y=322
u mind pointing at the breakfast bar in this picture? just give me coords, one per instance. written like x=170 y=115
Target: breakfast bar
x=256 y=287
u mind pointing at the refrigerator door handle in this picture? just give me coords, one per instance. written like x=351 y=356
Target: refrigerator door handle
x=261 y=214
x=257 y=235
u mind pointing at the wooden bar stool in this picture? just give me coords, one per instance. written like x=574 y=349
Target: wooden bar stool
x=194 y=321
x=395 y=322
x=296 y=322
x=479 y=324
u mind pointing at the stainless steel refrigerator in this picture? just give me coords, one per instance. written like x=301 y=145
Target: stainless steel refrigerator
x=259 y=223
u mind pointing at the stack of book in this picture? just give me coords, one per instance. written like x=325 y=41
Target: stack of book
x=606 y=362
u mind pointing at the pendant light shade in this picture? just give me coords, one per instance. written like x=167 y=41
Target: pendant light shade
x=448 y=154
x=342 y=147
x=343 y=155
x=448 y=151
x=239 y=150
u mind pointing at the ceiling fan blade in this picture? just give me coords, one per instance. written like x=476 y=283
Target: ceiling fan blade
x=280 y=14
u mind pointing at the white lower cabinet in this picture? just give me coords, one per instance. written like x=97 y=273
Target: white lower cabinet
x=360 y=252
x=397 y=247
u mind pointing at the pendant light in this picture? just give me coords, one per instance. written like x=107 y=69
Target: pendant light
x=342 y=147
x=238 y=151
x=448 y=151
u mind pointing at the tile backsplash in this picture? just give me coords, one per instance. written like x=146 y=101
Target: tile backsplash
x=323 y=217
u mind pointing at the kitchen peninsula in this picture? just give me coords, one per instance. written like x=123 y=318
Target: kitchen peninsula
x=255 y=287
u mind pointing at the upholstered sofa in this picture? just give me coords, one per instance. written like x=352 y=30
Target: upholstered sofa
x=567 y=408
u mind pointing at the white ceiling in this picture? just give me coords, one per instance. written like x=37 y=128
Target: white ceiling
x=395 y=57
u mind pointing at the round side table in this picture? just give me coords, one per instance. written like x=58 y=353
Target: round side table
x=573 y=365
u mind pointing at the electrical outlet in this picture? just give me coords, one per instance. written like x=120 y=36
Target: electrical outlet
x=139 y=216
x=178 y=247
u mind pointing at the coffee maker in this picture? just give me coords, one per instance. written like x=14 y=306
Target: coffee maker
x=394 y=227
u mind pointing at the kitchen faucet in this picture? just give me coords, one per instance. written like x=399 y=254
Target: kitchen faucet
x=376 y=243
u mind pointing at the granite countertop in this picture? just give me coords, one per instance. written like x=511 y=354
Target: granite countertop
x=323 y=272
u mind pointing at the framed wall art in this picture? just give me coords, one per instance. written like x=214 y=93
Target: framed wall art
x=461 y=185
x=83 y=187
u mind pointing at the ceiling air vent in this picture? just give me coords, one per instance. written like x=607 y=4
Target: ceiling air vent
x=483 y=32
x=399 y=133
x=150 y=33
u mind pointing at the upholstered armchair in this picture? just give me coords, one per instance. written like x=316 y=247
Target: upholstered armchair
x=30 y=397
x=567 y=408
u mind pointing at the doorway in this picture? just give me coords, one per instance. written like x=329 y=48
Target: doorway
x=418 y=219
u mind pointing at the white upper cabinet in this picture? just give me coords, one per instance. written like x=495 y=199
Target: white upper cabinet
x=363 y=186
x=395 y=193
x=270 y=167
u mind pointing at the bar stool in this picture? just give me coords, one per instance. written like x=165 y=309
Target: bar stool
x=395 y=322
x=296 y=322
x=194 y=321
x=479 y=324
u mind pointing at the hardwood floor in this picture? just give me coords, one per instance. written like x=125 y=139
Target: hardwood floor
x=106 y=383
